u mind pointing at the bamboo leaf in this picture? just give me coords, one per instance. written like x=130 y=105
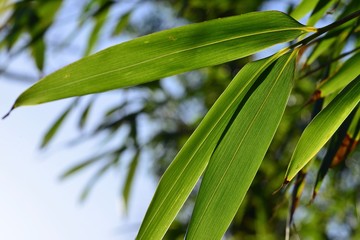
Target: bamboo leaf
x=303 y=8
x=130 y=178
x=322 y=127
x=180 y=178
x=336 y=144
x=164 y=54
x=321 y=8
x=122 y=22
x=347 y=73
x=85 y=113
x=51 y=132
x=96 y=177
x=238 y=156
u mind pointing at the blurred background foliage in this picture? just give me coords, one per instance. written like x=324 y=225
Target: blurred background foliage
x=155 y=119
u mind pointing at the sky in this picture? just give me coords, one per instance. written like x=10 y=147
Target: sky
x=34 y=203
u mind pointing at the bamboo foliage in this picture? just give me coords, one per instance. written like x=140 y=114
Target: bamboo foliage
x=230 y=143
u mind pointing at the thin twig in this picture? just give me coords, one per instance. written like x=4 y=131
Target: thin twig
x=328 y=63
x=325 y=29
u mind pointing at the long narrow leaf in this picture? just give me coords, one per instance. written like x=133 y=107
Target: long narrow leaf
x=164 y=54
x=51 y=132
x=129 y=179
x=322 y=127
x=237 y=158
x=180 y=178
x=303 y=8
x=347 y=73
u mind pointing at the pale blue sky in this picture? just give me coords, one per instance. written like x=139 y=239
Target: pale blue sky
x=34 y=204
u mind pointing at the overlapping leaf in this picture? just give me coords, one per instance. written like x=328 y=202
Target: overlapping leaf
x=180 y=178
x=347 y=73
x=166 y=53
x=237 y=158
x=323 y=126
x=303 y=8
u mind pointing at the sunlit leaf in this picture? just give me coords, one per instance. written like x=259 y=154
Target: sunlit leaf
x=236 y=160
x=321 y=8
x=336 y=144
x=303 y=8
x=180 y=178
x=322 y=127
x=164 y=54
x=347 y=73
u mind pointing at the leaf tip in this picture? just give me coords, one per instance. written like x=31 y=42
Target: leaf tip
x=283 y=186
x=8 y=113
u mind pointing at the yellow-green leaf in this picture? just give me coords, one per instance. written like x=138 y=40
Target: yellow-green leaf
x=347 y=73
x=322 y=127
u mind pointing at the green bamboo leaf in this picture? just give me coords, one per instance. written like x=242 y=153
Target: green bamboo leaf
x=321 y=8
x=38 y=52
x=347 y=73
x=85 y=113
x=237 y=158
x=96 y=177
x=87 y=163
x=180 y=178
x=100 y=18
x=303 y=8
x=51 y=132
x=355 y=125
x=166 y=53
x=130 y=178
x=335 y=37
x=336 y=144
x=122 y=22
x=80 y=166
x=322 y=127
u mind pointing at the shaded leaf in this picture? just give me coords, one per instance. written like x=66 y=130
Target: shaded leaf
x=94 y=179
x=322 y=127
x=164 y=54
x=296 y=194
x=121 y=23
x=321 y=8
x=38 y=52
x=347 y=73
x=85 y=113
x=51 y=132
x=181 y=176
x=130 y=178
x=87 y=163
x=100 y=19
x=238 y=156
